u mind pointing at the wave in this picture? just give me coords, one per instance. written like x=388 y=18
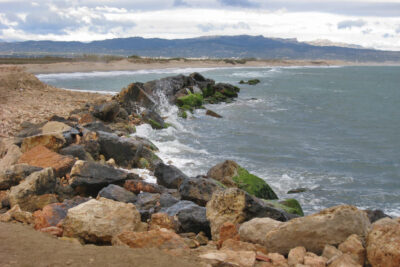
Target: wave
x=91 y=91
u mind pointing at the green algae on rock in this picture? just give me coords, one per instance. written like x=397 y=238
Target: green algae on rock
x=250 y=82
x=290 y=205
x=190 y=100
x=253 y=185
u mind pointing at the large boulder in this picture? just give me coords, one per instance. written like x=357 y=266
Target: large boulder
x=52 y=141
x=15 y=174
x=98 y=221
x=236 y=206
x=154 y=119
x=232 y=175
x=107 y=111
x=198 y=190
x=76 y=151
x=330 y=226
x=37 y=184
x=91 y=177
x=169 y=176
x=191 y=217
x=133 y=97
x=117 y=193
x=383 y=243
x=161 y=239
x=40 y=156
x=53 y=214
x=256 y=229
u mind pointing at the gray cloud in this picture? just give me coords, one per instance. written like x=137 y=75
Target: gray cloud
x=178 y=3
x=238 y=3
x=398 y=29
x=350 y=24
x=387 y=35
x=367 y=31
x=47 y=22
x=207 y=27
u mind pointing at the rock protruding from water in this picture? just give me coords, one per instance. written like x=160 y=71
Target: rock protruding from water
x=231 y=174
x=169 y=176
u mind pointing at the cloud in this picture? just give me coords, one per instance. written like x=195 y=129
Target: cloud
x=367 y=31
x=351 y=23
x=387 y=35
x=238 y=3
x=180 y=3
x=208 y=27
x=398 y=29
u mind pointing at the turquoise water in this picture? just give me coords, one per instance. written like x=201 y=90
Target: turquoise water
x=333 y=130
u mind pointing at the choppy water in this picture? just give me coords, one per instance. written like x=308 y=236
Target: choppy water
x=333 y=130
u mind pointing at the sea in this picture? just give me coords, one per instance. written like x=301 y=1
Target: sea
x=332 y=130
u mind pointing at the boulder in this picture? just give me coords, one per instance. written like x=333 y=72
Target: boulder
x=91 y=177
x=375 y=215
x=198 y=190
x=133 y=97
x=232 y=175
x=236 y=206
x=161 y=239
x=52 y=141
x=40 y=156
x=311 y=259
x=291 y=206
x=15 y=174
x=147 y=204
x=213 y=114
x=36 y=184
x=117 y=193
x=228 y=231
x=256 y=229
x=76 y=151
x=330 y=226
x=169 y=176
x=331 y=252
x=191 y=217
x=163 y=220
x=296 y=256
x=11 y=155
x=97 y=221
x=383 y=243
x=353 y=245
x=345 y=260
x=53 y=214
x=231 y=258
x=277 y=259
x=107 y=111
x=137 y=186
x=154 y=119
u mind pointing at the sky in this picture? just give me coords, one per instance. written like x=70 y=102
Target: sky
x=370 y=23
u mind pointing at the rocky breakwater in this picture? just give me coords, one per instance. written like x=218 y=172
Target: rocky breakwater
x=76 y=178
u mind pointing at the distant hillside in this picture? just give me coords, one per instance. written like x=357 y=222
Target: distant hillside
x=242 y=46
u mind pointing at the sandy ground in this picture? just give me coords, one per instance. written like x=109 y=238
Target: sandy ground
x=127 y=65
x=24 y=98
x=22 y=246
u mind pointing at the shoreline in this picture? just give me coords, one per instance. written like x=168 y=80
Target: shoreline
x=126 y=65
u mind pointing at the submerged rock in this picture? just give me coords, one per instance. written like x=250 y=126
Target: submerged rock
x=212 y=114
x=250 y=82
x=98 y=221
x=236 y=206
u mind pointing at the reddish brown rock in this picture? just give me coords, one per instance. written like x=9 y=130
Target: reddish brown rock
x=162 y=239
x=52 y=214
x=163 y=220
x=383 y=243
x=354 y=246
x=137 y=186
x=53 y=230
x=228 y=230
x=41 y=156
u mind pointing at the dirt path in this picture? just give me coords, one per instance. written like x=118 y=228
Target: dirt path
x=22 y=246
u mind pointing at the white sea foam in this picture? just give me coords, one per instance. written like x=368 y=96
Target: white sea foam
x=92 y=91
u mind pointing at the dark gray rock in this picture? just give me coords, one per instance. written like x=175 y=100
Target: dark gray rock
x=97 y=126
x=91 y=177
x=133 y=97
x=15 y=174
x=117 y=193
x=198 y=190
x=167 y=200
x=169 y=176
x=107 y=111
x=77 y=151
x=147 y=204
x=154 y=119
x=374 y=215
x=192 y=217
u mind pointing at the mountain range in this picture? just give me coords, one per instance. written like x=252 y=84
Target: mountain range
x=241 y=46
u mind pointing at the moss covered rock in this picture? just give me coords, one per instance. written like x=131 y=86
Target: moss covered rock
x=250 y=82
x=253 y=184
x=155 y=125
x=290 y=205
x=190 y=100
